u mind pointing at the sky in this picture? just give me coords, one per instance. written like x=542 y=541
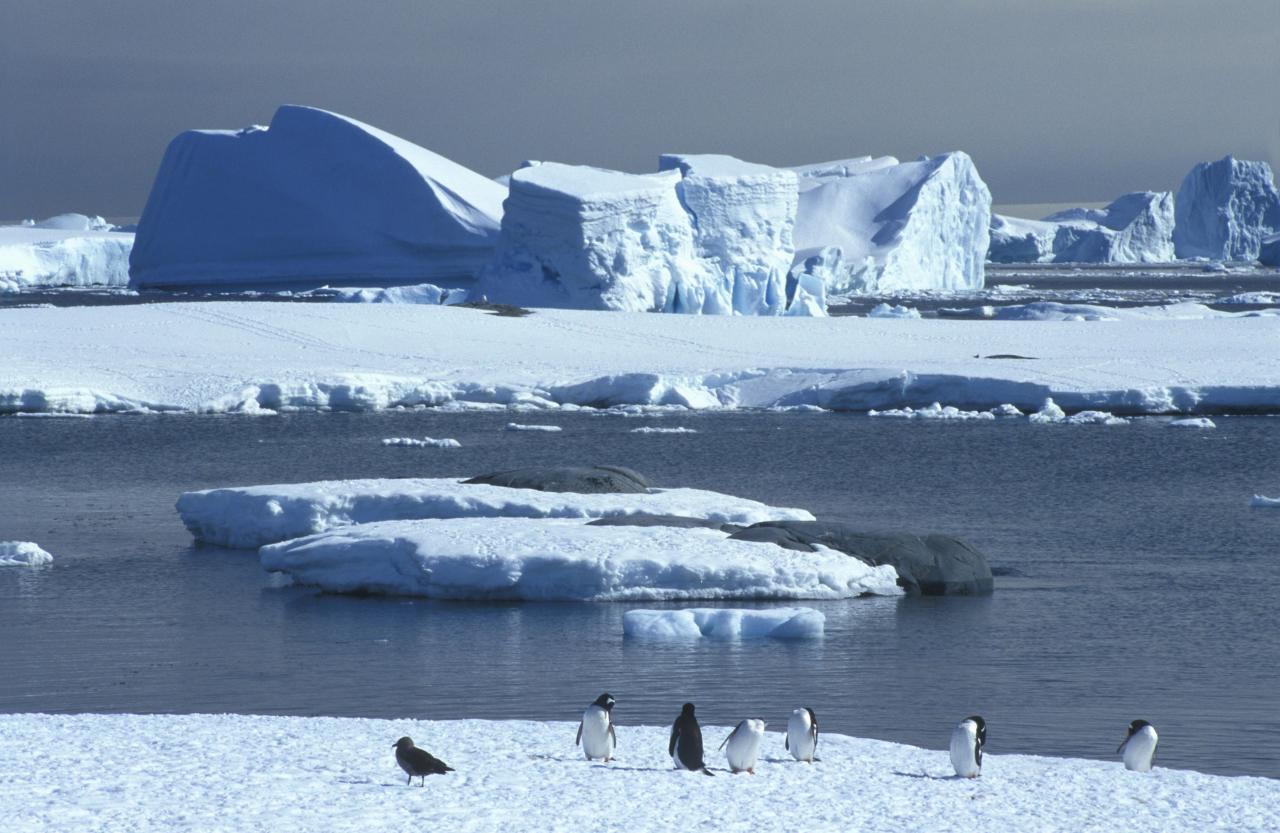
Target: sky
x=1056 y=100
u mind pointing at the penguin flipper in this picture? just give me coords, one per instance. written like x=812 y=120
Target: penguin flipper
x=612 y=734
x=675 y=735
x=726 y=740
x=786 y=742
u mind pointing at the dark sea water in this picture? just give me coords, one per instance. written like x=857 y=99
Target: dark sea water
x=1140 y=583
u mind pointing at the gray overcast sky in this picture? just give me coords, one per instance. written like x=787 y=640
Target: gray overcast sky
x=1056 y=100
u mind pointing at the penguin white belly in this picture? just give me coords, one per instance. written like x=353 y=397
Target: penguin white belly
x=964 y=741
x=597 y=740
x=800 y=740
x=743 y=748
x=1140 y=749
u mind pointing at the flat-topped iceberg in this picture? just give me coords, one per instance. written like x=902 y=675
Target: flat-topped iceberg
x=915 y=225
x=724 y=623
x=250 y=516
x=67 y=250
x=1134 y=228
x=315 y=197
x=1225 y=209
x=565 y=560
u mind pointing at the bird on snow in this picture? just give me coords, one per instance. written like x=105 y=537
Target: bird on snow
x=685 y=747
x=744 y=745
x=967 y=740
x=802 y=734
x=1139 y=746
x=418 y=762
x=595 y=731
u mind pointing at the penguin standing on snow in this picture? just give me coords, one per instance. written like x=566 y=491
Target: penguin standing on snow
x=744 y=746
x=595 y=732
x=418 y=762
x=967 y=740
x=685 y=747
x=802 y=734
x=1139 y=746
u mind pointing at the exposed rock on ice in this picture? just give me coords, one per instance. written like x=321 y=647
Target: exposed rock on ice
x=725 y=623
x=424 y=442
x=743 y=216
x=314 y=197
x=1225 y=209
x=1191 y=422
x=250 y=516
x=565 y=560
x=67 y=250
x=1135 y=228
x=23 y=554
x=916 y=225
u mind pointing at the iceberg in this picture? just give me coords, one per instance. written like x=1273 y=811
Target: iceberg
x=1225 y=209
x=67 y=250
x=314 y=197
x=743 y=216
x=250 y=516
x=1134 y=228
x=724 y=623
x=565 y=560
x=909 y=226
x=23 y=554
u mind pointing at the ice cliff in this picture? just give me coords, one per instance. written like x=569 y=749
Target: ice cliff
x=1225 y=209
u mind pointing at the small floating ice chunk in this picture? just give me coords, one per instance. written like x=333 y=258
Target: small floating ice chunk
x=934 y=411
x=1049 y=412
x=1095 y=418
x=23 y=554
x=516 y=426
x=1262 y=501
x=724 y=623
x=425 y=442
x=1191 y=422
x=1006 y=410
x=656 y=429
x=893 y=311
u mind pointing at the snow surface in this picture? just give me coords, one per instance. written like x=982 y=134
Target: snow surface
x=23 y=554
x=250 y=516
x=1225 y=209
x=566 y=560
x=219 y=357
x=1057 y=311
x=1134 y=228
x=516 y=426
x=725 y=623
x=258 y=774
x=67 y=250
x=916 y=225
x=424 y=442
x=1262 y=501
x=315 y=197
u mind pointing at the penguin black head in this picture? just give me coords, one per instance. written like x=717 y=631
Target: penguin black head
x=687 y=710
x=1137 y=726
x=404 y=743
x=605 y=701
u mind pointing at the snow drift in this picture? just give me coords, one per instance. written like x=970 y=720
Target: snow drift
x=882 y=227
x=314 y=197
x=1134 y=228
x=724 y=623
x=565 y=560
x=67 y=250
x=1225 y=209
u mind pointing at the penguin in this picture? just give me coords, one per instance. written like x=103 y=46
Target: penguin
x=685 y=747
x=1139 y=746
x=967 y=740
x=744 y=746
x=418 y=762
x=802 y=734
x=595 y=732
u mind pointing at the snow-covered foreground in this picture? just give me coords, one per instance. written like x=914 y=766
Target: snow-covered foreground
x=153 y=774
x=249 y=356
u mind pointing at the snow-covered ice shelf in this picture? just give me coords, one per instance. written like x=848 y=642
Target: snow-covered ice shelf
x=725 y=623
x=566 y=560
x=250 y=516
x=250 y=774
x=23 y=554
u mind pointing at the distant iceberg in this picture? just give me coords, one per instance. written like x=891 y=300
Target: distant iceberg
x=315 y=198
x=1134 y=228
x=1225 y=210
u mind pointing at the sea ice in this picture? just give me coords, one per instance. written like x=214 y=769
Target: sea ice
x=67 y=250
x=314 y=197
x=1225 y=209
x=656 y=429
x=517 y=426
x=566 y=560
x=934 y=411
x=1191 y=422
x=725 y=623
x=424 y=442
x=250 y=516
x=23 y=554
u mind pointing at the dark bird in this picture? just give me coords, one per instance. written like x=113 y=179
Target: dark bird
x=418 y=762
x=685 y=748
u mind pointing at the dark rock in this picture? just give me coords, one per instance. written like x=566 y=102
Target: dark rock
x=590 y=480
x=679 y=521
x=933 y=565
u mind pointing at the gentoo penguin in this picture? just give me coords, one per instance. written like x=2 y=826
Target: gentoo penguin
x=685 y=748
x=595 y=732
x=744 y=745
x=418 y=762
x=1139 y=746
x=802 y=734
x=967 y=741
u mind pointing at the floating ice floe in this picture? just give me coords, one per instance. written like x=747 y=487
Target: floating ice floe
x=1264 y=502
x=725 y=623
x=517 y=426
x=424 y=442
x=1225 y=210
x=250 y=516
x=67 y=250
x=23 y=554
x=1051 y=413
x=1191 y=422
x=883 y=310
x=934 y=411
x=314 y=197
x=566 y=560
x=1135 y=228
x=656 y=429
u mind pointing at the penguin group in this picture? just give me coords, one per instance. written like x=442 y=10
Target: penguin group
x=599 y=739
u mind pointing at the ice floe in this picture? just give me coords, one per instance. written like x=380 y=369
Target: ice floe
x=934 y=411
x=658 y=429
x=725 y=623
x=519 y=426
x=566 y=560
x=250 y=516
x=1191 y=422
x=23 y=554
x=423 y=442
